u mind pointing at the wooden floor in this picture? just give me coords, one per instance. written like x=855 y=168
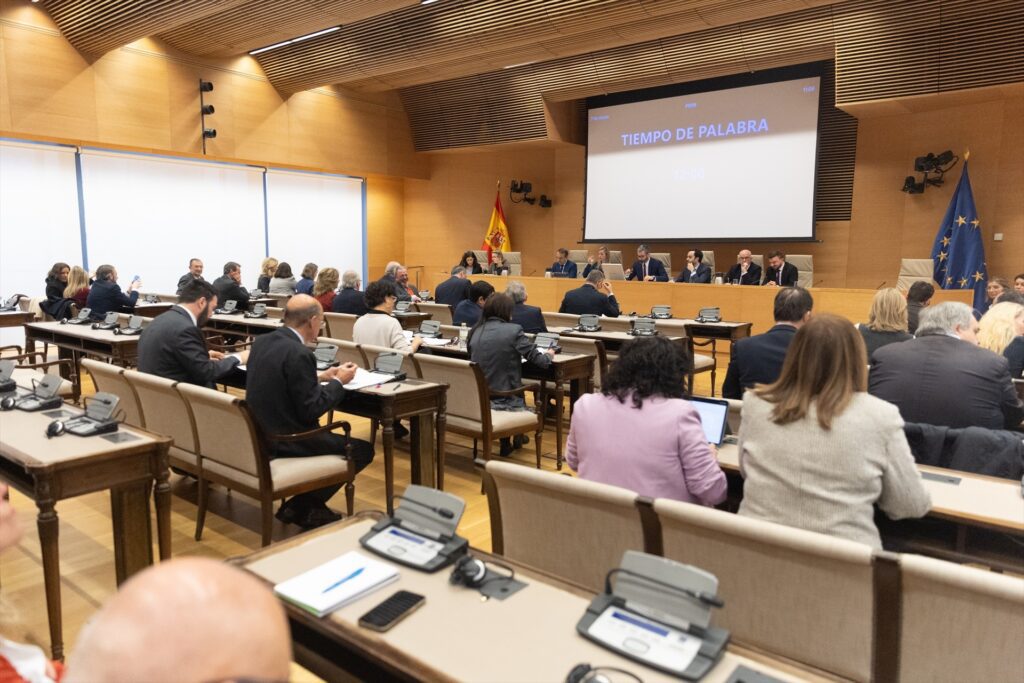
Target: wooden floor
x=232 y=529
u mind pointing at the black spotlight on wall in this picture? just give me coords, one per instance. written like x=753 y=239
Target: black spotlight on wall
x=911 y=186
x=523 y=189
x=545 y=202
x=933 y=166
x=204 y=111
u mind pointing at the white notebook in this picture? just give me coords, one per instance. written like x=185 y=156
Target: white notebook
x=336 y=583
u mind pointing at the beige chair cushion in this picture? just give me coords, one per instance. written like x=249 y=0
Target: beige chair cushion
x=224 y=434
x=463 y=382
x=442 y=313
x=709 y=260
x=614 y=257
x=163 y=408
x=339 y=325
x=666 y=260
x=514 y=259
x=501 y=420
x=915 y=270
x=184 y=456
x=409 y=366
x=232 y=474
x=556 y=321
x=287 y=472
x=805 y=264
x=702 y=362
x=348 y=350
x=110 y=379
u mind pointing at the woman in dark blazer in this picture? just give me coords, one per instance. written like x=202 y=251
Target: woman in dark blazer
x=56 y=305
x=470 y=263
x=499 y=346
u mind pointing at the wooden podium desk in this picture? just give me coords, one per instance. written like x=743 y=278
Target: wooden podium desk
x=74 y=341
x=50 y=470
x=974 y=518
x=737 y=302
x=455 y=636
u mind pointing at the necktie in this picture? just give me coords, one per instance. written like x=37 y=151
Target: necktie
x=645 y=270
x=780 y=275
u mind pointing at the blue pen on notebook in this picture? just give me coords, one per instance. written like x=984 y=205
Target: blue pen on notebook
x=341 y=581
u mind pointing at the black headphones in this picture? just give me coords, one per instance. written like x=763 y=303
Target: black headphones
x=584 y=673
x=55 y=428
x=468 y=572
x=8 y=403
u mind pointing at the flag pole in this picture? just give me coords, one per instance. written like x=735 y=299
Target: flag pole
x=967 y=155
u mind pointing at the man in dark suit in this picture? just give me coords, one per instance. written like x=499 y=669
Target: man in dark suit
x=349 y=299
x=286 y=396
x=779 y=273
x=918 y=298
x=696 y=271
x=391 y=273
x=468 y=311
x=594 y=297
x=454 y=289
x=195 y=272
x=106 y=296
x=172 y=346
x=745 y=272
x=563 y=267
x=943 y=377
x=229 y=287
x=529 y=318
x=645 y=268
x=758 y=359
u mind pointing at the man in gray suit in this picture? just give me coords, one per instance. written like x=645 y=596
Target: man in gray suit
x=943 y=377
x=172 y=346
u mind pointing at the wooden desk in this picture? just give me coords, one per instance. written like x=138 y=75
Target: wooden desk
x=454 y=636
x=970 y=521
x=414 y=399
x=74 y=341
x=16 y=318
x=152 y=310
x=576 y=370
x=239 y=324
x=410 y=320
x=49 y=470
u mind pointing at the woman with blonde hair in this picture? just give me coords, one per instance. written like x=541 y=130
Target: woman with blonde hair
x=324 y=289
x=817 y=451
x=887 y=321
x=78 y=286
x=267 y=270
x=603 y=257
x=1001 y=331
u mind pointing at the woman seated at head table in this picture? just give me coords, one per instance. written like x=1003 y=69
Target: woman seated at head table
x=470 y=263
x=1001 y=331
x=641 y=433
x=817 y=451
x=597 y=263
x=887 y=321
x=283 y=282
x=499 y=347
x=498 y=264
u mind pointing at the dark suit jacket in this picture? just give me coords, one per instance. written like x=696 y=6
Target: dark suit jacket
x=757 y=360
x=1014 y=354
x=184 y=280
x=349 y=301
x=106 y=296
x=913 y=315
x=587 y=299
x=789 y=275
x=700 y=275
x=942 y=380
x=173 y=347
x=654 y=267
x=499 y=347
x=529 y=318
x=263 y=283
x=752 y=277
x=452 y=291
x=467 y=312
x=283 y=392
x=229 y=290
x=569 y=269
x=591 y=267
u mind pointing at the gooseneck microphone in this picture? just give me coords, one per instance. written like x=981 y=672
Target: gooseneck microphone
x=443 y=512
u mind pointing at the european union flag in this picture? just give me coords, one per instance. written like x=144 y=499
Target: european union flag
x=958 y=252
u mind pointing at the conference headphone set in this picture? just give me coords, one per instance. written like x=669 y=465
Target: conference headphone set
x=472 y=572
x=584 y=673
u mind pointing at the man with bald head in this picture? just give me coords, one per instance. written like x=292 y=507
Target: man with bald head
x=188 y=620
x=746 y=272
x=287 y=396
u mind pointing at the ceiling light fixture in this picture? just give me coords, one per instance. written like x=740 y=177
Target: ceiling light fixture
x=514 y=66
x=427 y=2
x=308 y=36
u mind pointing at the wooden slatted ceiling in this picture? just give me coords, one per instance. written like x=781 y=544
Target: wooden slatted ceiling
x=886 y=49
x=466 y=33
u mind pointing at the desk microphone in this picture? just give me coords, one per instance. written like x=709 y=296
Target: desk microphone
x=881 y=285
x=443 y=512
x=703 y=596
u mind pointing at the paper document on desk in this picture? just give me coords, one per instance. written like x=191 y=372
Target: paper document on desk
x=336 y=583
x=436 y=341
x=365 y=378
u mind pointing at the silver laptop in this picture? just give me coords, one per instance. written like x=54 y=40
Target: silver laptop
x=713 y=417
x=613 y=271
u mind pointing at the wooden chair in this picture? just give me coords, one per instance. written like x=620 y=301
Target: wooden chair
x=442 y=313
x=339 y=325
x=575 y=529
x=958 y=623
x=110 y=379
x=469 y=406
x=409 y=364
x=27 y=365
x=795 y=593
x=165 y=412
x=588 y=347
x=559 y=321
x=348 y=351
x=234 y=452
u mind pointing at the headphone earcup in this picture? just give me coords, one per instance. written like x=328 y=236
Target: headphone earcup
x=468 y=572
x=8 y=403
x=55 y=428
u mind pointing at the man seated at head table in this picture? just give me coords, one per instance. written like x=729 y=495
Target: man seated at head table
x=349 y=299
x=529 y=318
x=195 y=272
x=454 y=289
x=106 y=296
x=943 y=377
x=229 y=287
x=595 y=297
x=287 y=396
x=173 y=346
x=563 y=267
x=758 y=359
x=187 y=620
x=745 y=271
x=779 y=273
x=645 y=268
x=696 y=271
x=919 y=297
x=469 y=310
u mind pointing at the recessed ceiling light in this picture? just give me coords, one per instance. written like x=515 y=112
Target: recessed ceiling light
x=427 y=2
x=295 y=40
x=513 y=66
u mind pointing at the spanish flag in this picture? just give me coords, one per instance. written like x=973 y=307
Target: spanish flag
x=497 y=238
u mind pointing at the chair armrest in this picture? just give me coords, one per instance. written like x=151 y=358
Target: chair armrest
x=518 y=391
x=39 y=357
x=299 y=436
x=63 y=362
x=13 y=347
x=212 y=342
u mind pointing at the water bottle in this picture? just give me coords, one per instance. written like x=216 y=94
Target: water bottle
x=463 y=334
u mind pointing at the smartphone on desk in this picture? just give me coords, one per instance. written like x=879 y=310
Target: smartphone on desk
x=388 y=613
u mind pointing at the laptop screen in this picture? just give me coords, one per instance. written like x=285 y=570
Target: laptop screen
x=713 y=416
